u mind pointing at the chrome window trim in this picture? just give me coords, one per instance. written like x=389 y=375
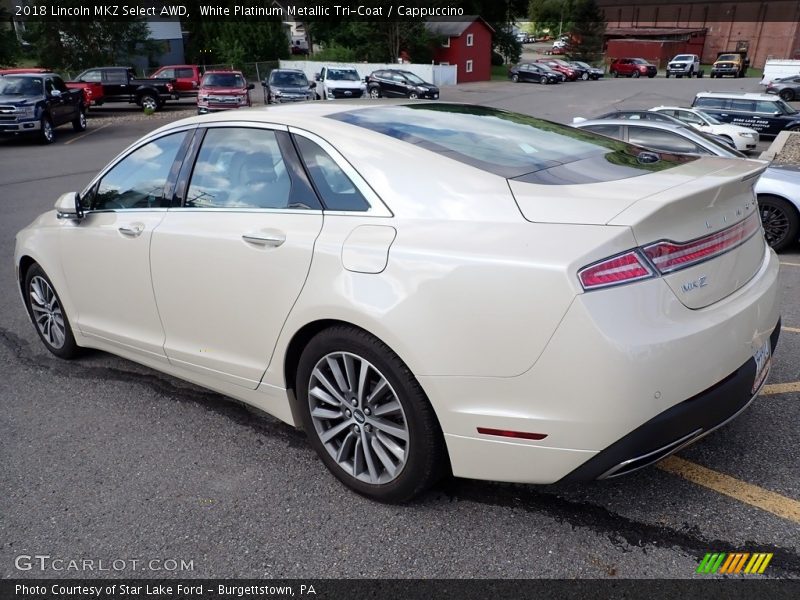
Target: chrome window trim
x=377 y=208
x=130 y=150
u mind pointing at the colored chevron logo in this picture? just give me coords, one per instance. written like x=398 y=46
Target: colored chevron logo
x=734 y=563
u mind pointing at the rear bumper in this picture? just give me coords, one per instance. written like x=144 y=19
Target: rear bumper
x=677 y=427
x=629 y=371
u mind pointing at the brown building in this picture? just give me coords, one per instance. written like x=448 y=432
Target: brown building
x=765 y=29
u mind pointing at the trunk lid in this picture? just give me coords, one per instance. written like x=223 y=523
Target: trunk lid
x=682 y=204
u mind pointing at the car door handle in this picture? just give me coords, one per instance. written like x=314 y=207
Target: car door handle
x=133 y=230
x=264 y=239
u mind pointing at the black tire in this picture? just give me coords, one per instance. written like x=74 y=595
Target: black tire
x=679 y=76
x=787 y=95
x=780 y=220
x=79 y=124
x=668 y=75
x=68 y=349
x=614 y=74
x=426 y=456
x=515 y=78
x=650 y=76
x=47 y=133
x=584 y=76
x=544 y=80
x=700 y=73
x=375 y=92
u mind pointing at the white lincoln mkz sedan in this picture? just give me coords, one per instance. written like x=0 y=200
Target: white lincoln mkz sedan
x=424 y=288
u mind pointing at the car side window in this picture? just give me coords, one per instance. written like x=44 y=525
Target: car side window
x=167 y=74
x=184 y=73
x=743 y=105
x=766 y=107
x=59 y=84
x=239 y=167
x=690 y=117
x=609 y=130
x=332 y=184
x=116 y=76
x=710 y=102
x=138 y=180
x=656 y=139
x=92 y=77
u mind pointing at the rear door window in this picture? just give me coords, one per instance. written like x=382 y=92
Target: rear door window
x=742 y=105
x=710 y=102
x=657 y=139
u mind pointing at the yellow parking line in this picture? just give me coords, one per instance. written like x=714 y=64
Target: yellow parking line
x=772 y=502
x=792 y=329
x=780 y=388
x=90 y=132
x=788 y=264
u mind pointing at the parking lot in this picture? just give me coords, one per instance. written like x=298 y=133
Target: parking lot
x=105 y=459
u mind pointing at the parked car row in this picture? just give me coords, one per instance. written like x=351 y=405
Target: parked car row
x=553 y=70
x=693 y=132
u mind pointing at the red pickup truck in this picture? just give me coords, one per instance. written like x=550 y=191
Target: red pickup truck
x=187 y=78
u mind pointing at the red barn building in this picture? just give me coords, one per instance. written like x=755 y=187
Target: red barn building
x=466 y=44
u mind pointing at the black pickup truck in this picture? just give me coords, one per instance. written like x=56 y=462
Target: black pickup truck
x=37 y=103
x=120 y=84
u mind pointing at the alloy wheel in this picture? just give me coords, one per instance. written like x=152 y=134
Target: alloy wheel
x=776 y=223
x=374 y=93
x=150 y=103
x=358 y=417
x=47 y=312
x=47 y=130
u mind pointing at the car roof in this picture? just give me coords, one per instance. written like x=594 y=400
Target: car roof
x=653 y=124
x=29 y=74
x=689 y=108
x=222 y=71
x=746 y=95
x=286 y=71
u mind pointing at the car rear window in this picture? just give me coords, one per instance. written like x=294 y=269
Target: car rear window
x=509 y=144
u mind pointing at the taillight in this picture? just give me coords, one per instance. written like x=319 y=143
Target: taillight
x=672 y=256
x=622 y=268
x=666 y=256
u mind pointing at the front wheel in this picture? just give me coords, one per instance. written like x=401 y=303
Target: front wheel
x=47 y=313
x=635 y=75
x=614 y=74
x=584 y=76
x=46 y=132
x=700 y=73
x=780 y=220
x=79 y=124
x=367 y=417
x=544 y=81
x=668 y=75
x=413 y=95
x=375 y=93
x=515 y=78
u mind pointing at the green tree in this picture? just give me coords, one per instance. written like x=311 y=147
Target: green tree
x=9 y=45
x=588 y=28
x=74 y=43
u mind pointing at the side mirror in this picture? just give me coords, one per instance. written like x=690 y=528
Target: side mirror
x=251 y=86
x=55 y=93
x=777 y=113
x=317 y=77
x=68 y=206
x=312 y=85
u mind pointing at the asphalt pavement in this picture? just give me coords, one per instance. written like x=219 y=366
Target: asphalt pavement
x=105 y=459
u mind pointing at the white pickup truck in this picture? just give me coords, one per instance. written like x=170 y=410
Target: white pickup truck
x=685 y=64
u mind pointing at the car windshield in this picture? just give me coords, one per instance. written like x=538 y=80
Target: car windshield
x=639 y=61
x=787 y=110
x=708 y=118
x=413 y=78
x=288 y=79
x=20 y=86
x=343 y=75
x=582 y=65
x=728 y=57
x=223 y=80
x=683 y=57
x=508 y=144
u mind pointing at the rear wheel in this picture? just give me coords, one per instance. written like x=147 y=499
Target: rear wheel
x=787 y=95
x=700 y=73
x=47 y=314
x=780 y=220
x=367 y=417
x=149 y=102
